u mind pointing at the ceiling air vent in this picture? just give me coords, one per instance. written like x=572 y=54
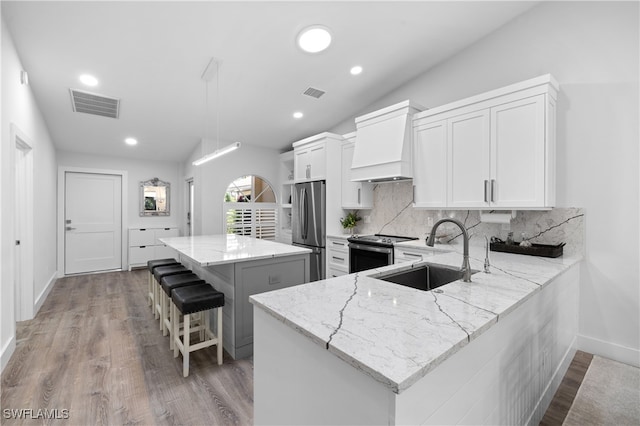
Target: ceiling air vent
x=91 y=103
x=314 y=93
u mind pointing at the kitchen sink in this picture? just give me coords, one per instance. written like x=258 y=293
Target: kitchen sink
x=426 y=277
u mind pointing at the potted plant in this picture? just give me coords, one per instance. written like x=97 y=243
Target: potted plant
x=350 y=221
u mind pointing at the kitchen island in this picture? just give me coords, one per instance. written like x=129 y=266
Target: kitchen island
x=358 y=350
x=241 y=266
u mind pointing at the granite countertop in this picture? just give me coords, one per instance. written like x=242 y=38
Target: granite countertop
x=397 y=334
x=208 y=250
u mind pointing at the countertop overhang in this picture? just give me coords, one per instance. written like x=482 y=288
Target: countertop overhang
x=210 y=250
x=397 y=334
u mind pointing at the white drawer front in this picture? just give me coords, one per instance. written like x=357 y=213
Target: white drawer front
x=338 y=245
x=338 y=260
x=141 y=255
x=336 y=273
x=165 y=233
x=141 y=237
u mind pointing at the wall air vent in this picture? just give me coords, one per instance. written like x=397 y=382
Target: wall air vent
x=313 y=92
x=91 y=103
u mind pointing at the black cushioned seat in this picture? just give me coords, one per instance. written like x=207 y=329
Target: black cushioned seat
x=196 y=298
x=171 y=282
x=164 y=271
x=152 y=264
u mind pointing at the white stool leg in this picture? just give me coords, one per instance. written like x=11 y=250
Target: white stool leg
x=150 y=288
x=164 y=312
x=186 y=348
x=176 y=329
x=219 y=335
x=202 y=316
x=156 y=297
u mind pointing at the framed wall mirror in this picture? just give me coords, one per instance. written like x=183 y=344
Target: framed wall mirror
x=154 y=197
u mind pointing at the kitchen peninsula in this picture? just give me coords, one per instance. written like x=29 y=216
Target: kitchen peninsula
x=240 y=266
x=358 y=350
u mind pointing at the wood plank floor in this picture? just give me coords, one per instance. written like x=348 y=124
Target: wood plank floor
x=566 y=393
x=95 y=350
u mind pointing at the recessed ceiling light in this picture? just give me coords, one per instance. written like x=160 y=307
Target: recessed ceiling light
x=356 y=70
x=298 y=114
x=131 y=141
x=314 y=39
x=89 y=80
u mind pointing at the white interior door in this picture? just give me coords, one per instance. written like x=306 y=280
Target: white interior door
x=93 y=222
x=18 y=223
x=23 y=231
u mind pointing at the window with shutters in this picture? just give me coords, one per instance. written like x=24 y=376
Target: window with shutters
x=250 y=208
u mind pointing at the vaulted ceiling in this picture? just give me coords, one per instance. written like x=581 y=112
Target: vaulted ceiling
x=151 y=56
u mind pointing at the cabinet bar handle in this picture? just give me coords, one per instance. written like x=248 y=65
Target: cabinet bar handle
x=412 y=254
x=486 y=198
x=338 y=258
x=338 y=244
x=493 y=190
x=358 y=195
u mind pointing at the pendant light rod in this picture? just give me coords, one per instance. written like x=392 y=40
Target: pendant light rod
x=213 y=69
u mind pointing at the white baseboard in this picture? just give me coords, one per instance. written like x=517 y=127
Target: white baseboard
x=7 y=351
x=43 y=295
x=609 y=350
x=553 y=385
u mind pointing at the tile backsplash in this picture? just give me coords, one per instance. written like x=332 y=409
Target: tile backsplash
x=393 y=214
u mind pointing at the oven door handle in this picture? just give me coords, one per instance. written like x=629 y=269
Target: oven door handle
x=386 y=250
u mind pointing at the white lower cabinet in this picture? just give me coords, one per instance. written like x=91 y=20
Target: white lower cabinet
x=337 y=256
x=144 y=245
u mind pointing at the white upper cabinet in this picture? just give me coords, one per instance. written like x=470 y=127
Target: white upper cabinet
x=518 y=153
x=310 y=157
x=491 y=151
x=469 y=159
x=355 y=195
x=309 y=163
x=430 y=173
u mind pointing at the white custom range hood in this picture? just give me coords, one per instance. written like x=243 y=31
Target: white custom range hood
x=383 y=144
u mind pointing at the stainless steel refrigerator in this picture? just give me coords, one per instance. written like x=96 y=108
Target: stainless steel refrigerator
x=308 y=223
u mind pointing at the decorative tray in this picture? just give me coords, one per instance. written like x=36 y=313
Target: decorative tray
x=544 y=250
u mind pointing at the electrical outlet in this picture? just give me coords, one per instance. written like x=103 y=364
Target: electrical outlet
x=367 y=219
x=430 y=221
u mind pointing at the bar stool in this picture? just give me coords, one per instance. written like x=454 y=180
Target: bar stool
x=168 y=284
x=158 y=273
x=190 y=300
x=151 y=265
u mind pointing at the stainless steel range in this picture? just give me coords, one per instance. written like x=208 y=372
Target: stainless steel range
x=372 y=251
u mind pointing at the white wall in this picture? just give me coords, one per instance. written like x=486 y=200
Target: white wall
x=19 y=107
x=212 y=179
x=137 y=171
x=592 y=49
